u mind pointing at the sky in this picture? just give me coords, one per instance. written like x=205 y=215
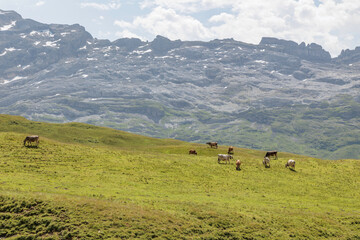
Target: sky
x=334 y=24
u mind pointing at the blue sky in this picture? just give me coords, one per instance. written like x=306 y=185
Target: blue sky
x=334 y=24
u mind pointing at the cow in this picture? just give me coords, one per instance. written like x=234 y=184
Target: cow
x=192 y=152
x=224 y=157
x=290 y=163
x=271 y=153
x=238 y=163
x=30 y=139
x=212 y=144
x=266 y=162
x=231 y=150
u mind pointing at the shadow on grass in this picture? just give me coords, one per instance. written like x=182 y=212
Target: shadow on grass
x=30 y=146
x=291 y=169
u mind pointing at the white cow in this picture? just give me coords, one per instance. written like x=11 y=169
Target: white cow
x=224 y=157
x=290 y=163
x=266 y=162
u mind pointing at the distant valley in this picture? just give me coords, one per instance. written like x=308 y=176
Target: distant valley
x=277 y=95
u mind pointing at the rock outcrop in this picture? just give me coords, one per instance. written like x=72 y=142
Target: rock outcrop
x=349 y=56
x=311 y=52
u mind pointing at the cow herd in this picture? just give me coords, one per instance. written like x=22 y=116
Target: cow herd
x=221 y=157
x=226 y=157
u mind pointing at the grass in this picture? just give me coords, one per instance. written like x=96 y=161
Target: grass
x=87 y=182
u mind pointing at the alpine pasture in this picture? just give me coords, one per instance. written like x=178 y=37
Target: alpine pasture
x=88 y=182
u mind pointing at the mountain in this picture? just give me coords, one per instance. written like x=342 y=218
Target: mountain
x=277 y=95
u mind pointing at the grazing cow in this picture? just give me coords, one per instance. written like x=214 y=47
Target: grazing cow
x=192 y=152
x=271 y=153
x=212 y=144
x=266 y=162
x=238 y=163
x=231 y=150
x=30 y=139
x=290 y=163
x=224 y=157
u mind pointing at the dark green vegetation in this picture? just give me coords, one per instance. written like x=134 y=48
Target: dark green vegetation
x=87 y=182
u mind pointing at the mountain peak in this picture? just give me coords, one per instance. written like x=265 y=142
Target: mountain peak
x=312 y=52
x=4 y=13
x=162 y=44
x=128 y=43
x=349 y=56
x=8 y=19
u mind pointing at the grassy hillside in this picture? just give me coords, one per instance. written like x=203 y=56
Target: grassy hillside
x=86 y=182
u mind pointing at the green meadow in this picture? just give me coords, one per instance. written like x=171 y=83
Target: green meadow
x=88 y=182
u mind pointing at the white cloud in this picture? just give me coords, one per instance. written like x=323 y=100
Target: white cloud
x=123 y=24
x=332 y=24
x=222 y=18
x=113 y=5
x=187 y=6
x=40 y=3
x=168 y=23
x=127 y=34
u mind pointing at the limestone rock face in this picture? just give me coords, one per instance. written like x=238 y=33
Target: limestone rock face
x=27 y=42
x=311 y=52
x=7 y=17
x=162 y=44
x=128 y=44
x=349 y=56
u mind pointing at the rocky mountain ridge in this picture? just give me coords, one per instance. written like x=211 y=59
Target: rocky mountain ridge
x=190 y=90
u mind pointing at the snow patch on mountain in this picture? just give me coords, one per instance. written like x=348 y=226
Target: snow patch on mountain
x=8 y=27
x=44 y=33
x=261 y=61
x=52 y=44
x=12 y=80
x=8 y=50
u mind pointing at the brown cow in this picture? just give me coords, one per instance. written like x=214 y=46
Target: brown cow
x=271 y=153
x=192 y=152
x=238 y=163
x=30 y=139
x=212 y=144
x=231 y=150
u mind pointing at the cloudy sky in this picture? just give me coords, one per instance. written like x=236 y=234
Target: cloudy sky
x=334 y=24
